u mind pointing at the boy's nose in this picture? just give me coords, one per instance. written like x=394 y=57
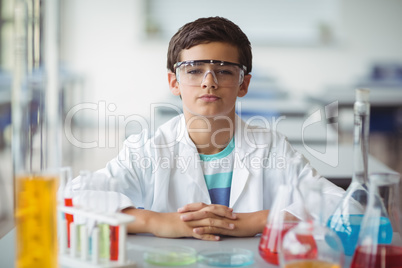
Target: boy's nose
x=209 y=80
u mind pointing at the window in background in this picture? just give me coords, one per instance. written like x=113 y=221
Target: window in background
x=266 y=22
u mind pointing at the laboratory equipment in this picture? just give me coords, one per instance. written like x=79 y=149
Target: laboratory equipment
x=279 y=219
x=36 y=212
x=379 y=243
x=114 y=192
x=81 y=258
x=347 y=217
x=96 y=215
x=65 y=196
x=226 y=257
x=311 y=243
x=94 y=196
x=171 y=255
x=36 y=145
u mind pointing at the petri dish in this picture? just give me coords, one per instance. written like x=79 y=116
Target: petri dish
x=170 y=256
x=233 y=257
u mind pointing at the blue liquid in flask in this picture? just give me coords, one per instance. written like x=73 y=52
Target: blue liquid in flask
x=348 y=229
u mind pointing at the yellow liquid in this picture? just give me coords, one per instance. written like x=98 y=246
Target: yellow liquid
x=36 y=221
x=311 y=264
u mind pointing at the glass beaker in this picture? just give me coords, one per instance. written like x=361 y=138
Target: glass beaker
x=36 y=130
x=379 y=243
x=279 y=219
x=347 y=217
x=311 y=243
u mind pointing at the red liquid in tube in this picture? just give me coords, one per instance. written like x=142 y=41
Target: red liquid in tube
x=114 y=243
x=68 y=202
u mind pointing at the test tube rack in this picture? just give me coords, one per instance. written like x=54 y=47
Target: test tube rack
x=72 y=257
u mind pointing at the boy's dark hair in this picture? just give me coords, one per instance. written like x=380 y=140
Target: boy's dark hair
x=207 y=30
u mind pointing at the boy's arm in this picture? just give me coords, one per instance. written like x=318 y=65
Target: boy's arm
x=171 y=225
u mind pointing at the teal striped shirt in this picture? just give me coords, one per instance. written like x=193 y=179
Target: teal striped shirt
x=218 y=171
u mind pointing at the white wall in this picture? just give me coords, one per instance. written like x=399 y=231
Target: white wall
x=371 y=33
x=102 y=40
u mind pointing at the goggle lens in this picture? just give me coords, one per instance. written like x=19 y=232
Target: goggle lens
x=225 y=74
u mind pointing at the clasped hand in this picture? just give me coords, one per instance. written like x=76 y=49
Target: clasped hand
x=208 y=221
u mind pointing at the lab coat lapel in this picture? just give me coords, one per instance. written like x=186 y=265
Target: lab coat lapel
x=239 y=180
x=197 y=190
x=240 y=169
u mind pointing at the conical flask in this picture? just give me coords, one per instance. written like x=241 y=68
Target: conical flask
x=311 y=243
x=280 y=219
x=347 y=217
x=380 y=243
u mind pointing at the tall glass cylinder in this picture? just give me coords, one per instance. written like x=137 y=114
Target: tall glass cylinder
x=347 y=217
x=36 y=138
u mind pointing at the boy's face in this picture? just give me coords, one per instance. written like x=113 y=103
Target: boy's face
x=209 y=98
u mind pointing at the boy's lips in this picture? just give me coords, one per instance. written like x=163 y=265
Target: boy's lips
x=209 y=98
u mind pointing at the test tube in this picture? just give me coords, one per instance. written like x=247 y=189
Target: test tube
x=104 y=241
x=98 y=198
x=63 y=236
x=122 y=244
x=84 y=242
x=95 y=245
x=82 y=202
x=61 y=229
x=68 y=198
x=114 y=230
x=73 y=240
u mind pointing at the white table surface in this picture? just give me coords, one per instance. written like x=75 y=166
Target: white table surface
x=7 y=249
x=250 y=243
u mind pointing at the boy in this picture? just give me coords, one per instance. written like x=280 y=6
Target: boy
x=209 y=173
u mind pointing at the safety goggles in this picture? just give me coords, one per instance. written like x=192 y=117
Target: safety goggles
x=225 y=74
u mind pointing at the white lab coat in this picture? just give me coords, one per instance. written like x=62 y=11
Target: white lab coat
x=164 y=173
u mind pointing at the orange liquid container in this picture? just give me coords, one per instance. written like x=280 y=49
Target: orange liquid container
x=36 y=221
x=311 y=264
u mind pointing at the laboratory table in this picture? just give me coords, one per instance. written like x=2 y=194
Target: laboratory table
x=7 y=244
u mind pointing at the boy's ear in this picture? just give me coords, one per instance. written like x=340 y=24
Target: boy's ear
x=244 y=86
x=173 y=84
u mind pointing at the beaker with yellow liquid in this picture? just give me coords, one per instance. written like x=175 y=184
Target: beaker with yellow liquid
x=36 y=221
x=36 y=146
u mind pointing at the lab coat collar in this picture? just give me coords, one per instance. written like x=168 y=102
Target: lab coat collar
x=244 y=146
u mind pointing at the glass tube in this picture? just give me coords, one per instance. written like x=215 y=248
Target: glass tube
x=36 y=149
x=347 y=217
